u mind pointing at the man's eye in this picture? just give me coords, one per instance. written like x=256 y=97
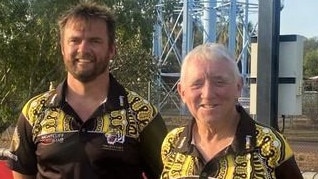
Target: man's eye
x=196 y=85
x=97 y=41
x=74 y=41
x=219 y=82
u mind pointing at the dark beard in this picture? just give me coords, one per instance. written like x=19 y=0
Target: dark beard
x=91 y=75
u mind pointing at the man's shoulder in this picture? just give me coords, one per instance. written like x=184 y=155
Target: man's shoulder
x=132 y=95
x=38 y=102
x=137 y=102
x=42 y=97
x=174 y=135
x=176 y=131
x=264 y=130
x=269 y=138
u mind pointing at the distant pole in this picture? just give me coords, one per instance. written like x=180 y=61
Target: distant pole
x=187 y=27
x=157 y=34
x=268 y=62
x=209 y=21
x=187 y=37
x=232 y=26
x=246 y=40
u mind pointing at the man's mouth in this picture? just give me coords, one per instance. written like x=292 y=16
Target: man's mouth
x=83 y=60
x=208 y=106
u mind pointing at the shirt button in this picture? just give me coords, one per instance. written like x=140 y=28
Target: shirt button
x=204 y=174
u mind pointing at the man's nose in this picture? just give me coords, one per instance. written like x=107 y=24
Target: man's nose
x=207 y=90
x=83 y=46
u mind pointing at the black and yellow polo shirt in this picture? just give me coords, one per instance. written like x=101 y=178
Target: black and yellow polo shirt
x=122 y=138
x=256 y=152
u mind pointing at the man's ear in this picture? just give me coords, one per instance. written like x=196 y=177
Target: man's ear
x=62 y=51
x=62 y=47
x=239 y=84
x=180 y=91
x=112 y=50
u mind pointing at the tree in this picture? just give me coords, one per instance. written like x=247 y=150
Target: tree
x=310 y=57
x=311 y=63
x=30 y=54
x=134 y=64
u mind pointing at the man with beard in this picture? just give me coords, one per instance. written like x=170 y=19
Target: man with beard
x=90 y=126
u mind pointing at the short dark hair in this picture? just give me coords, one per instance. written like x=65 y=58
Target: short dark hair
x=87 y=11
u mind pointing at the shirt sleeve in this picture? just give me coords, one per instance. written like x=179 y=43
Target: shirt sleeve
x=288 y=167
x=23 y=147
x=151 y=139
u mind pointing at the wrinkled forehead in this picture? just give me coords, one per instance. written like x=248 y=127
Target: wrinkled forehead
x=212 y=68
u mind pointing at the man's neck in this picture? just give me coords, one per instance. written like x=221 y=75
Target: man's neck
x=95 y=89
x=85 y=98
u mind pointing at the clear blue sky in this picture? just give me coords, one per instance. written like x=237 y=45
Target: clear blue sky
x=299 y=17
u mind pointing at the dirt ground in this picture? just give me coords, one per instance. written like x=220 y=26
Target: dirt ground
x=307 y=162
x=303 y=138
x=306 y=154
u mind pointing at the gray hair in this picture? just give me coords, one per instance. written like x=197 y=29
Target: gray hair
x=210 y=51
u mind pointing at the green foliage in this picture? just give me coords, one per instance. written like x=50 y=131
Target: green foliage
x=310 y=57
x=133 y=65
x=30 y=53
x=311 y=44
x=311 y=63
x=30 y=56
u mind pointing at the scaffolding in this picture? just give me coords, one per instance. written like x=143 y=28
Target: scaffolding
x=183 y=24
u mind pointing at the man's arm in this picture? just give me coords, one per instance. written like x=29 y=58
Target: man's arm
x=151 y=139
x=288 y=169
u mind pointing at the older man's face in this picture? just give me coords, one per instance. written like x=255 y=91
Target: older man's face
x=210 y=89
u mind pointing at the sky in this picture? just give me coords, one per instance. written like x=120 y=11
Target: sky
x=298 y=17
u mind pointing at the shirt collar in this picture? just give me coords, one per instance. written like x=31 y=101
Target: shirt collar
x=116 y=99
x=245 y=133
